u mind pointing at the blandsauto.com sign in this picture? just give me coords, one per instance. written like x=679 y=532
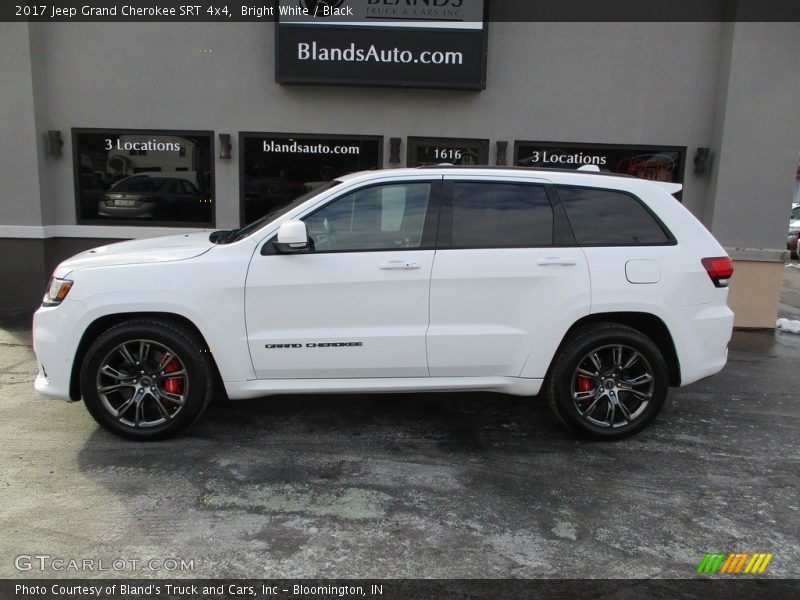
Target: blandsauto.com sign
x=404 y=43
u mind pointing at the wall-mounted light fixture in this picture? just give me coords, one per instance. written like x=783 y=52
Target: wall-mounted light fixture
x=502 y=153
x=225 y=146
x=394 y=150
x=701 y=160
x=55 y=143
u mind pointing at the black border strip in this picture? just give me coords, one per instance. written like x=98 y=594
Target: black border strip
x=706 y=588
x=499 y=10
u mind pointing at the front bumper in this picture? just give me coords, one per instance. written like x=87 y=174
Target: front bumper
x=56 y=336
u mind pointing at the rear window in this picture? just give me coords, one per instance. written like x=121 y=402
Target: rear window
x=610 y=218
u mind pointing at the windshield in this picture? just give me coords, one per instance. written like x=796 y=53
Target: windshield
x=238 y=234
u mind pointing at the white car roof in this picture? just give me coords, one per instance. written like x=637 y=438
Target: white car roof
x=563 y=176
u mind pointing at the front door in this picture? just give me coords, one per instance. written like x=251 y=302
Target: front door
x=357 y=304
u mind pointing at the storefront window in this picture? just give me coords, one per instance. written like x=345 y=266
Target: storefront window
x=658 y=163
x=277 y=168
x=456 y=151
x=127 y=177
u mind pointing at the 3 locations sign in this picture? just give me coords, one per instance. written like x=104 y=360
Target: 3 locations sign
x=658 y=163
x=401 y=43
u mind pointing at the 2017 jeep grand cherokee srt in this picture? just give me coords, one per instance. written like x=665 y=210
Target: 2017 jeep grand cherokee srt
x=599 y=291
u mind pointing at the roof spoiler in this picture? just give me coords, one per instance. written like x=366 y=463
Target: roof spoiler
x=670 y=188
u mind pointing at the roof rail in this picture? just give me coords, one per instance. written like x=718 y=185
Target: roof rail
x=580 y=171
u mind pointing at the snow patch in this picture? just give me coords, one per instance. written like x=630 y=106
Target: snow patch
x=788 y=325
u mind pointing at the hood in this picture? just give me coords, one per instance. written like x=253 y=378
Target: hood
x=150 y=250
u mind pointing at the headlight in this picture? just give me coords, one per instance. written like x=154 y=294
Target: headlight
x=57 y=290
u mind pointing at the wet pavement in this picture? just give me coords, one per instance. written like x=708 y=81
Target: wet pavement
x=400 y=486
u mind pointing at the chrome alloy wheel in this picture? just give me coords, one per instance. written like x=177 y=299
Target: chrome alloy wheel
x=612 y=386
x=142 y=383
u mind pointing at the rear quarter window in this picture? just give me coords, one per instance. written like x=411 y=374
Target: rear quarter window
x=611 y=218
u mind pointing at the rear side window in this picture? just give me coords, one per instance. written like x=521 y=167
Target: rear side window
x=610 y=218
x=501 y=215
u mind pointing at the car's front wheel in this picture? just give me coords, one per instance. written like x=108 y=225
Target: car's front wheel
x=607 y=382
x=147 y=379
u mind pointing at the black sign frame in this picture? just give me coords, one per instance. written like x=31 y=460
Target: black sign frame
x=327 y=77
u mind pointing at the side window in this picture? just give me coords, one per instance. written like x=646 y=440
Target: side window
x=610 y=218
x=383 y=217
x=501 y=215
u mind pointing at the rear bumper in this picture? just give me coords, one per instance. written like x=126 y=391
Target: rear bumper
x=126 y=212
x=706 y=333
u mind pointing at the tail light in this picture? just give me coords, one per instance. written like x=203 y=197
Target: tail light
x=719 y=269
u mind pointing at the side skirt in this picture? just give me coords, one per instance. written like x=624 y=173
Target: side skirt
x=516 y=386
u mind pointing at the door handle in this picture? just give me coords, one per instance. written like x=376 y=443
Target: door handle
x=557 y=260
x=404 y=265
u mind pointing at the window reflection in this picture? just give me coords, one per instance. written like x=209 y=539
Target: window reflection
x=279 y=168
x=128 y=177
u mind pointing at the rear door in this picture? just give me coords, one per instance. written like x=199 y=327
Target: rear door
x=628 y=249
x=507 y=278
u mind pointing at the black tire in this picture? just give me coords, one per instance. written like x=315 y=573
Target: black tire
x=157 y=378
x=587 y=396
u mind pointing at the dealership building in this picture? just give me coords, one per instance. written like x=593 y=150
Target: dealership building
x=116 y=130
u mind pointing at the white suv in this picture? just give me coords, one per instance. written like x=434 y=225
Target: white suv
x=600 y=291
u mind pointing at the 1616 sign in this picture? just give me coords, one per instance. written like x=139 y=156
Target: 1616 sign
x=458 y=151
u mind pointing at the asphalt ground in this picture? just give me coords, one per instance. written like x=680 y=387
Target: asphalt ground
x=408 y=486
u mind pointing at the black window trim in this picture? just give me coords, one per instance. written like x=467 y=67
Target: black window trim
x=76 y=158
x=671 y=240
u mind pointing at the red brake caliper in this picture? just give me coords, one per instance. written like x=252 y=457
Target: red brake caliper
x=173 y=385
x=585 y=385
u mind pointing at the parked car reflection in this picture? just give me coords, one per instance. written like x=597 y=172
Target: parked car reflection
x=146 y=196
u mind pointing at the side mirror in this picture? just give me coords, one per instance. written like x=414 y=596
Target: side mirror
x=292 y=238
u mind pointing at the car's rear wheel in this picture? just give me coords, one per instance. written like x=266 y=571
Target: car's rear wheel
x=607 y=382
x=147 y=379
